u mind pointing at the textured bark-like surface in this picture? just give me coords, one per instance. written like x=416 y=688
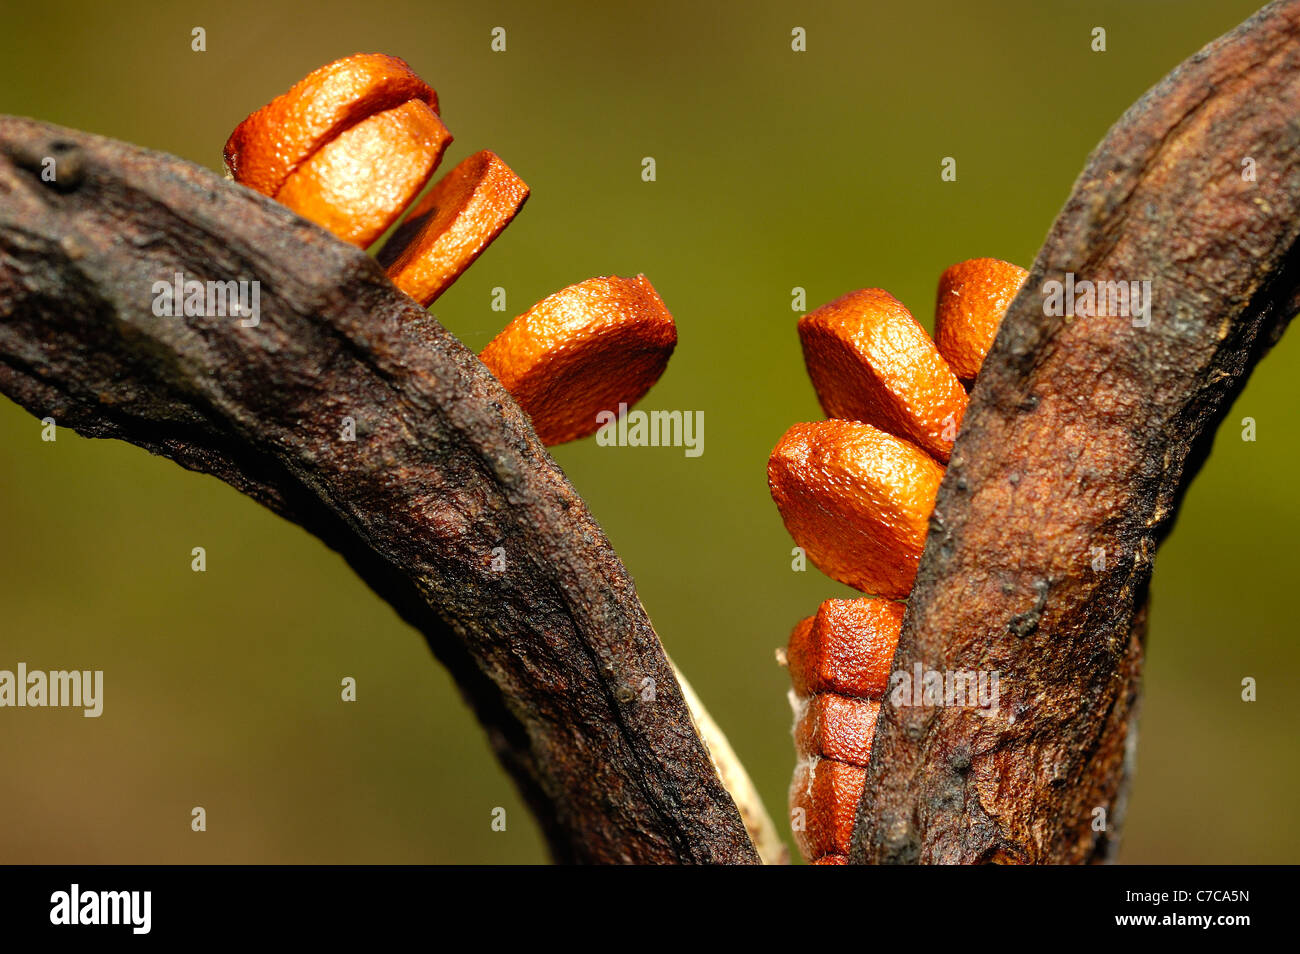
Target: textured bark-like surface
x=552 y=653
x=1082 y=434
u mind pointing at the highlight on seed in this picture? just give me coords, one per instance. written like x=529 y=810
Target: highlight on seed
x=357 y=184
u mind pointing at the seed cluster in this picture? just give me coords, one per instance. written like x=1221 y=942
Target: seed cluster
x=355 y=142
x=856 y=492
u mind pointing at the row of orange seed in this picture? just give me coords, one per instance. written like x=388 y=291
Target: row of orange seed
x=352 y=145
x=856 y=492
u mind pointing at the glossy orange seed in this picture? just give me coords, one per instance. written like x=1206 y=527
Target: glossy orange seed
x=582 y=351
x=847 y=648
x=973 y=297
x=831 y=860
x=266 y=148
x=459 y=218
x=828 y=792
x=857 y=500
x=837 y=727
x=358 y=183
x=870 y=361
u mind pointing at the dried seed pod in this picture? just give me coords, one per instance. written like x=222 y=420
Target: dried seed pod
x=266 y=148
x=870 y=361
x=828 y=792
x=452 y=225
x=973 y=297
x=836 y=727
x=847 y=648
x=857 y=500
x=358 y=183
x=582 y=351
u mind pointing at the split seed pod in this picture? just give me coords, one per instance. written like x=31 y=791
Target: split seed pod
x=582 y=351
x=871 y=361
x=973 y=297
x=857 y=500
x=452 y=225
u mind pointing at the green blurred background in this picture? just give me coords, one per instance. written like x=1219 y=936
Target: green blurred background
x=775 y=170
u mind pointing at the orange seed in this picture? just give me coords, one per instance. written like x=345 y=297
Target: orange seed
x=973 y=297
x=870 y=361
x=857 y=500
x=459 y=218
x=584 y=350
x=847 y=648
x=837 y=727
x=828 y=792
